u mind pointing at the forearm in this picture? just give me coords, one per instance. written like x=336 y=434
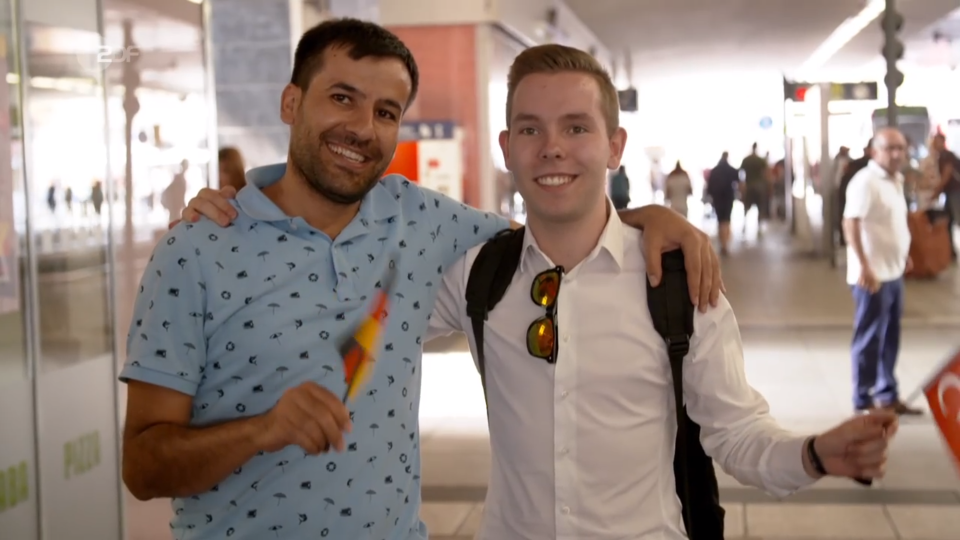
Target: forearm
x=639 y=217
x=763 y=455
x=168 y=460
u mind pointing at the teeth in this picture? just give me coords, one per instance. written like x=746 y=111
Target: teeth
x=554 y=180
x=352 y=156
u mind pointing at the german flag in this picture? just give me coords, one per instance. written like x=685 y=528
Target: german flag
x=358 y=351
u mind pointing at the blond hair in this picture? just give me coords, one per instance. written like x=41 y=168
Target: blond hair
x=555 y=58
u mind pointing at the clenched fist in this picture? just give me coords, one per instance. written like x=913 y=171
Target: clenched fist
x=857 y=448
x=309 y=416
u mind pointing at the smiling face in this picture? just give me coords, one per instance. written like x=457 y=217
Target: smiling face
x=344 y=126
x=559 y=147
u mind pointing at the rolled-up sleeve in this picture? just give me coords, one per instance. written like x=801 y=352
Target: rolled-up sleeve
x=737 y=430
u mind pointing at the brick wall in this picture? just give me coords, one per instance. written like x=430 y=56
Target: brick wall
x=446 y=56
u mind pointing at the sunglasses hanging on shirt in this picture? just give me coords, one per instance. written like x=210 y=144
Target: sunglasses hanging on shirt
x=542 y=333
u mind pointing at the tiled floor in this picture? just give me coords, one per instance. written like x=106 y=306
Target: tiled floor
x=805 y=376
x=772 y=284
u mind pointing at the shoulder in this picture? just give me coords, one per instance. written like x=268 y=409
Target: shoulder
x=196 y=239
x=405 y=192
x=863 y=178
x=715 y=326
x=634 y=259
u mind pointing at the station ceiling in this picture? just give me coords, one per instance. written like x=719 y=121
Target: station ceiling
x=671 y=37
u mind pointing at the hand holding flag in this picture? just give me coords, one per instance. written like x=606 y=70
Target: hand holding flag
x=358 y=351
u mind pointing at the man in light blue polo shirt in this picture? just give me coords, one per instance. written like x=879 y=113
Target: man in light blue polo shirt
x=234 y=369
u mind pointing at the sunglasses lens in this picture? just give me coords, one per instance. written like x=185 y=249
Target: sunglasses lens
x=545 y=288
x=540 y=338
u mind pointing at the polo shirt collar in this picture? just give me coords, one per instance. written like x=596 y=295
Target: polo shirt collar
x=377 y=205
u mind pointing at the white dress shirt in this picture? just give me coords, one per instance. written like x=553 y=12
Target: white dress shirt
x=583 y=449
x=877 y=199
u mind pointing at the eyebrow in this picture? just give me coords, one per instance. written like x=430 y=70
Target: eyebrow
x=526 y=117
x=350 y=89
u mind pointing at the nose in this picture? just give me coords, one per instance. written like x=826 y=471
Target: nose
x=360 y=126
x=552 y=149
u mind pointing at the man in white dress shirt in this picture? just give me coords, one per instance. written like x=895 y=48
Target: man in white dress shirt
x=583 y=447
x=878 y=255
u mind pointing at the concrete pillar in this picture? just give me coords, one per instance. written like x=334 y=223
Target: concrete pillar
x=253 y=42
x=252 y=60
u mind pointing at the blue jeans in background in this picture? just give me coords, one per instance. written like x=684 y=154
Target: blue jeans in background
x=876 y=344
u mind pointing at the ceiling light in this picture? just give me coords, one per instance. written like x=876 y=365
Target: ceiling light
x=841 y=36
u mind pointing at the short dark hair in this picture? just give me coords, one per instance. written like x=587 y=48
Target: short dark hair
x=361 y=38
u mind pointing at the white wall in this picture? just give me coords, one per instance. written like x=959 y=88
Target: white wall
x=434 y=12
x=528 y=18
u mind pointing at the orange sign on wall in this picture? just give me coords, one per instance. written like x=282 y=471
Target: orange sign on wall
x=406 y=161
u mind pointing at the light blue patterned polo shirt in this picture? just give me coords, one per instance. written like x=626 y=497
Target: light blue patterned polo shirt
x=235 y=316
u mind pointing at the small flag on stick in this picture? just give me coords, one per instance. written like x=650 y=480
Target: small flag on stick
x=358 y=351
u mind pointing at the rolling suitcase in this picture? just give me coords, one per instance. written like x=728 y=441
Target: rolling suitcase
x=930 y=245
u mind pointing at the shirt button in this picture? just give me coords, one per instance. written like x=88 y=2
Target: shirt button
x=566 y=338
x=565 y=510
x=564 y=451
x=564 y=394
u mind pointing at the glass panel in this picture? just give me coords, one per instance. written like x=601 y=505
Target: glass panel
x=160 y=155
x=67 y=160
x=159 y=122
x=18 y=486
x=66 y=169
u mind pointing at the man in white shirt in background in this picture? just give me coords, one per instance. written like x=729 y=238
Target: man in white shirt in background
x=583 y=447
x=878 y=255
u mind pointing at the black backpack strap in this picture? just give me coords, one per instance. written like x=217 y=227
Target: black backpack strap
x=490 y=276
x=672 y=313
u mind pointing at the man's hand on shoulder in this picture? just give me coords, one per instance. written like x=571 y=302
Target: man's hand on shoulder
x=665 y=230
x=212 y=204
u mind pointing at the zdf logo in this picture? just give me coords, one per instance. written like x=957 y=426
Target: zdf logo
x=104 y=56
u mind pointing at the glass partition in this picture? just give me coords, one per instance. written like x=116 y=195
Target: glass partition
x=18 y=488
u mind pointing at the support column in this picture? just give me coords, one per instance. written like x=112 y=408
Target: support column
x=253 y=42
x=252 y=61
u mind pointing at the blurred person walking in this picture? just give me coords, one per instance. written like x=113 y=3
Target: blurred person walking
x=620 y=189
x=755 y=188
x=722 y=186
x=678 y=188
x=949 y=166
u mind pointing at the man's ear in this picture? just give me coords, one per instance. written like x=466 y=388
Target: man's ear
x=505 y=147
x=289 y=103
x=618 y=143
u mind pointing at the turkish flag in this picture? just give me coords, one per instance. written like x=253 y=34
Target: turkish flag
x=943 y=395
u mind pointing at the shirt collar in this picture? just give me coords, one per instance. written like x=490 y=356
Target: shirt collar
x=610 y=242
x=378 y=204
x=877 y=168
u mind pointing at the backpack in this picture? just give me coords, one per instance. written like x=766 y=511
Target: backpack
x=672 y=313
